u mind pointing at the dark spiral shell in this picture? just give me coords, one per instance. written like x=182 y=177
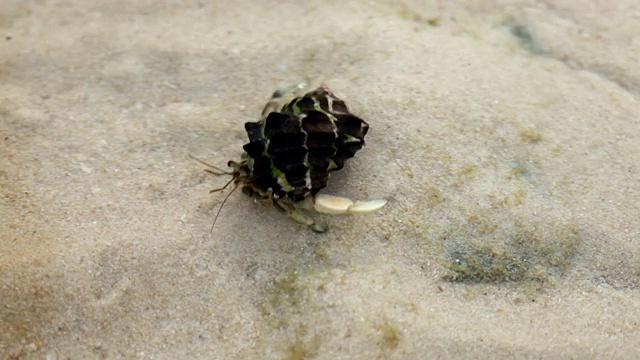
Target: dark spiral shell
x=291 y=153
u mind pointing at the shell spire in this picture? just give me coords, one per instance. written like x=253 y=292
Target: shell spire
x=294 y=150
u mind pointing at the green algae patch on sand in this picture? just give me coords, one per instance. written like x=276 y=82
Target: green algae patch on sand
x=483 y=251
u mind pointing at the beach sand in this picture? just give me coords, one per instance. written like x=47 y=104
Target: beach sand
x=505 y=135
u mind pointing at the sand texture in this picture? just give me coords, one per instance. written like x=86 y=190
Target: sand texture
x=505 y=135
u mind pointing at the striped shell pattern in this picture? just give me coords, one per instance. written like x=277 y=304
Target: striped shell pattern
x=291 y=153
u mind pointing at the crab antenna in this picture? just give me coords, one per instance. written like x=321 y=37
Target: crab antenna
x=219 y=170
x=222 y=205
x=224 y=187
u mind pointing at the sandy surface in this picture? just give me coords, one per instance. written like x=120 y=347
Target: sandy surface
x=505 y=134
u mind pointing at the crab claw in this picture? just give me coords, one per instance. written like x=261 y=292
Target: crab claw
x=367 y=206
x=329 y=204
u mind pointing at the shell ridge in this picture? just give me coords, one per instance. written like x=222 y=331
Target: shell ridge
x=293 y=151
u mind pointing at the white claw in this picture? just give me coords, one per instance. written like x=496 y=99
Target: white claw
x=329 y=204
x=367 y=206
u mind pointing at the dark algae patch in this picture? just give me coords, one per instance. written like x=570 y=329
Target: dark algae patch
x=287 y=311
x=521 y=251
x=390 y=337
x=283 y=298
x=523 y=31
x=301 y=348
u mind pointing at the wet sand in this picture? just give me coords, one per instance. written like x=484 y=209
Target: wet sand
x=505 y=136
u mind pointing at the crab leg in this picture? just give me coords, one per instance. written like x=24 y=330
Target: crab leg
x=295 y=214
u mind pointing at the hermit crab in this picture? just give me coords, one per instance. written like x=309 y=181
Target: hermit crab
x=292 y=152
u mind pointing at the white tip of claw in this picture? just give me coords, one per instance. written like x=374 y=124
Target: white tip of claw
x=329 y=204
x=367 y=206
